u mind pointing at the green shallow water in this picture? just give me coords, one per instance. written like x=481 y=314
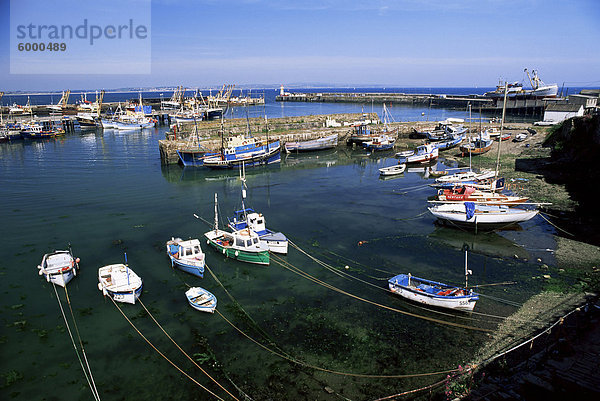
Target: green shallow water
x=106 y=193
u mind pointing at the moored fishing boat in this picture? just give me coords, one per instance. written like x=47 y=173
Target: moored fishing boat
x=186 y=255
x=433 y=293
x=520 y=137
x=59 y=267
x=449 y=143
x=119 y=282
x=36 y=130
x=202 y=300
x=380 y=142
x=465 y=193
x=476 y=146
x=360 y=133
x=257 y=154
x=327 y=142
x=423 y=154
x=463 y=176
x=243 y=245
x=247 y=218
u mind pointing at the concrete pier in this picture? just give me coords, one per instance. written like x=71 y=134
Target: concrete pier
x=532 y=107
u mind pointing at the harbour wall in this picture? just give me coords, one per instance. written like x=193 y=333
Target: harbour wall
x=521 y=106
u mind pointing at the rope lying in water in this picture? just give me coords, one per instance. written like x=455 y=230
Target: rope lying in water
x=185 y=353
x=307 y=276
x=263 y=333
x=333 y=269
x=178 y=274
x=89 y=379
x=431 y=386
x=293 y=360
x=554 y=225
x=163 y=355
x=412 y=189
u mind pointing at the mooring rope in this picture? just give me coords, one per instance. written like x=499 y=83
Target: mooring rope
x=429 y=387
x=293 y=360
x=412 y=218
x=163 y=355
x=554 y=225
x=81 y=343
x=92 y=388
x=332 y=268
x=264 y=334
x=301 y=273
x=411 y=189
x=183 y=352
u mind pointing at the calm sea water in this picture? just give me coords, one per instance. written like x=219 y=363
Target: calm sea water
x=106 y=193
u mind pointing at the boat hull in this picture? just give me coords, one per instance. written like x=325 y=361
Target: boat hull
x=120 y=283
x=260 y=257
x=186 y=267
x=327 y=142
x=392 y=170
x=58 y=268
x=277 y=242
x=485 y=216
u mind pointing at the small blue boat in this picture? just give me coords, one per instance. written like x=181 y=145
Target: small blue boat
x=186 y=255
x=202 y=300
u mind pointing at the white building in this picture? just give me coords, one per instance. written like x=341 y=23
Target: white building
x=556 y=113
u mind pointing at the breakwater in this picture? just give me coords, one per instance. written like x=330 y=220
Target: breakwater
x=521 y=106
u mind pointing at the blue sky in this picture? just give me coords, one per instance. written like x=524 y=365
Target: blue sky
x=407 y=43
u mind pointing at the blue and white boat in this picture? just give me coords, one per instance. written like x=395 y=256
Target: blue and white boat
x=381 y=142
x=450 y=142
x=120 y=283
x=253 y=154
x=248 y=218
x=202 y=300
x=433 y=293
x=58 y=267
x=186 y=255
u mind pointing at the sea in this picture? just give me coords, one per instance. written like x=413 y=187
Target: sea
x=317 y=323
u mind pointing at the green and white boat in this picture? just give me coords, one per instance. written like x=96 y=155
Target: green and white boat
x=243 y=245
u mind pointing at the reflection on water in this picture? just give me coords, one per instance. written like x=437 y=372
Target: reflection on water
x=106 y=193
x=488 y=243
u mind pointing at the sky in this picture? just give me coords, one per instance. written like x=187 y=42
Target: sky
x=404 y=43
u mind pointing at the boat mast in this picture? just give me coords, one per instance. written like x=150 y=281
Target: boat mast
x=216 y=215
x=467 y=271
x=501 y=131
x=470 y=136
x=127 y=268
